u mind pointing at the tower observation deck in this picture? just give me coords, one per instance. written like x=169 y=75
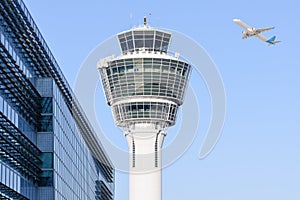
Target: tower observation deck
x=144 y=86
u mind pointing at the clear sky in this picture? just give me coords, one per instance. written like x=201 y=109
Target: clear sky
x=258 y=154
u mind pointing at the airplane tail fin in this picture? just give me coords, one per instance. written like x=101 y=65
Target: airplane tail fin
x=272 y=41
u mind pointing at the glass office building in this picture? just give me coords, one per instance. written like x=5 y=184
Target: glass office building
x=48 y=149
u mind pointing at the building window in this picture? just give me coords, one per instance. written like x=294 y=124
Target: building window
x=47 y=160
x=46 y=103
x=45 y=123
x=46 y=178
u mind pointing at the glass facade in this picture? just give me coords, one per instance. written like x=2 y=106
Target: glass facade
x=150 y=40
x=159 y=77
x=146 y=111
x=47 y=148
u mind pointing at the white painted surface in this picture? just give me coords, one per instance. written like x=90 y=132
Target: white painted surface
x=145 y=162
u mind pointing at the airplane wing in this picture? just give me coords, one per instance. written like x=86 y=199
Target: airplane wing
x=262 y=37
x=242 y=24
x=259 y=30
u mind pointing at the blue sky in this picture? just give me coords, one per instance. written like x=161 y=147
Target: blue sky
x=258 y=154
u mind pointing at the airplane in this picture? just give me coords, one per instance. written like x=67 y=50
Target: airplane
x=250 y=31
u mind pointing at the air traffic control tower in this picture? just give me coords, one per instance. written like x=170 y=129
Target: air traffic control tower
x=144 y=86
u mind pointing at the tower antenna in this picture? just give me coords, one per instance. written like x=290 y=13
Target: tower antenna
x=150 y=15
x=131 y=20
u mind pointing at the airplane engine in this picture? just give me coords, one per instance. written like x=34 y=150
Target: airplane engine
x=245 y=35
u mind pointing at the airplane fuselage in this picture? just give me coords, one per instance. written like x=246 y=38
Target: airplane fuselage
x=250 y=32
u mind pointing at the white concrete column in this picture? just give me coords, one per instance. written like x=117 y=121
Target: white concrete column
x=145 y=142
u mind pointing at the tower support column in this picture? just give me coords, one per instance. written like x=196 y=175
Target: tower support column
x=145 y=142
